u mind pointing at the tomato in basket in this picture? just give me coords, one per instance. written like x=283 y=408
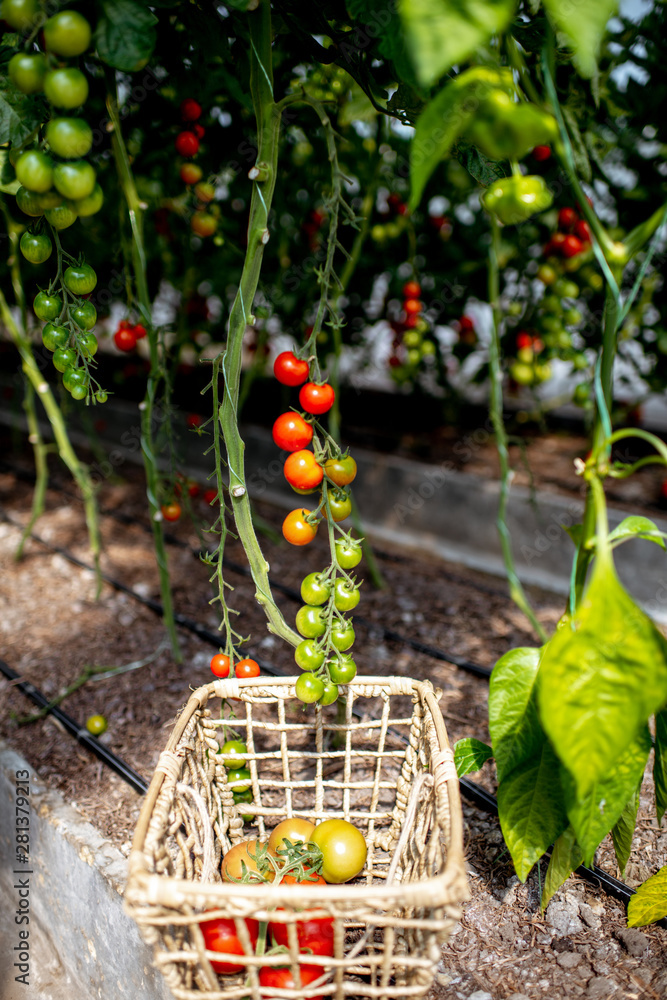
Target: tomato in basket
x=220 y=934
x=282 y=978
x=247 y=862
x=343 y=849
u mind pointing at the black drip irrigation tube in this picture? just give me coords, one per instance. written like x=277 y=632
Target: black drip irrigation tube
x=473 y=792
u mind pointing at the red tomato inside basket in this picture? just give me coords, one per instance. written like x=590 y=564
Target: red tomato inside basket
x=221 y=935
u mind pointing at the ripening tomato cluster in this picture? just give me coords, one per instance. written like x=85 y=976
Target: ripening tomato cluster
x=203 y=222
x=57 y=182
x=221 y=666
x=127 y=334
x=69 y=320
x=297 y=852
x=409 y=347
x=184 y=488
x=397 y=208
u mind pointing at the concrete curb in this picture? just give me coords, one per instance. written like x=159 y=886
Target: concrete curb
x=80 y=942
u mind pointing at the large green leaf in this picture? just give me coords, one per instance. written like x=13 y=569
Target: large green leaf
x=470 y=755
x=583 y=24
x=442 y=33
x=531 y=809
x=650 y=901
x=602 y=675
x=593 y=814
x=660 y=763
x=379 y=19
x=445 y=118
x=20 y=114
x=565 y=858
x=514 y=725
x=623 y=830
x=125 y=36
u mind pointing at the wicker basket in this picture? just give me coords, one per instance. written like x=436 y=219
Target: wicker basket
x=387 y=768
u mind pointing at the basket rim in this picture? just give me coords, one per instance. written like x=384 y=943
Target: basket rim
x=160 y=889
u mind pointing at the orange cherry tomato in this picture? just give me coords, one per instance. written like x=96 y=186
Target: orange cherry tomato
x=171 y=511
x=316 y=398
x=291 y=432
x=221 y=665
x=247 y=668
x=296 y=529
x=302 y=471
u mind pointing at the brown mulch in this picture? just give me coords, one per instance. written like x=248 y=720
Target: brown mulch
x=52 y=627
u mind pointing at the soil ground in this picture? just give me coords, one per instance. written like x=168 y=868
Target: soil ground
x=52 y=627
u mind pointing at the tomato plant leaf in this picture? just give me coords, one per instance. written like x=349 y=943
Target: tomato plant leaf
x=565 y=857
x=379 y=19
x=470 y=755
x=583 y=24
x=484 y=171
x=594 y=813
x=660 y=763
x=602 y=675
x=443 y=120
x=125 y=36
x=8 y=181
x=649 y=903
x=623 y=830
x=637 y=527
x=442 y=34
x=531 y=808
x=20 y=114
x=514 y=725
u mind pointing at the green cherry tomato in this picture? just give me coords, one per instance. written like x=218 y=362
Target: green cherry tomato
x=96 y=724
x=89 y=205
x=75 y=180
x=309 y=622
x=87 y=344
x=340 y=506
x=240 y=797
x=343 y=669
x=47 y=306
x=309 y=688
x=330 y=694
x=67 y=33
x=514 y=199
x=61 y=217
x=70 y=138
x=343 y=849
x=79 y=391
x=27 y=72
x=348 y=553
x=341 y=471
x=315 y=589
x=308 y=655
x=29 y=202
x=239 y=774
x=236 y=747
x=80 y=279
x=345 y=596
x=64 y=358
x=36 y=249
x=49 y=199
x=75 y=376
x=84 y=315
x=342 y=636
x=54 y=337
x=101 y=396
x=66 y=88
x=20 y=14
x=34 y=170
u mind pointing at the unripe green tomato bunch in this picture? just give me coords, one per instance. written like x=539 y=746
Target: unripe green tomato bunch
x=57 y=182
x=331 y=594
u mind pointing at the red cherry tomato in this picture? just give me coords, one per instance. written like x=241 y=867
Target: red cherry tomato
x=210 y=496
x=273 y=977
x=187 y=144
x=171 y=511
x=221 y=934
x=296 y=529
x=302 y=470
x=193 y=420
x=221 y=665
x=411 y=290
x=125 y=339
x=583 y=231
x=466 y=323
x=139 y=331
x=523 y=339
x=190 y=110
x=199 y=131
x=412 y=307
x=572 y=245
x=542 y=153
x=314 y=935
x=291 y=432
x=247 y=668
x=566 y=219
x=315 y=398
x=289 y=369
